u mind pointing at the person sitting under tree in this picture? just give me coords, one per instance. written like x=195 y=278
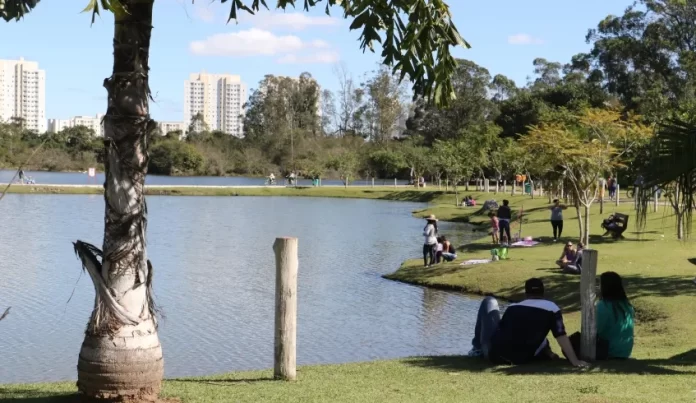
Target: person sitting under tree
x=520 y=335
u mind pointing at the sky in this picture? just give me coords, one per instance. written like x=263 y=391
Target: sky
x=505 y=35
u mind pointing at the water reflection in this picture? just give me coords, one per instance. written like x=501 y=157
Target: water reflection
x=214 y=278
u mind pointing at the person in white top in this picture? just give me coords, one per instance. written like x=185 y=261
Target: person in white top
x=430 y=244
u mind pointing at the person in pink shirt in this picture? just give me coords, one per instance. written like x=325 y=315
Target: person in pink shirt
x=495 y=229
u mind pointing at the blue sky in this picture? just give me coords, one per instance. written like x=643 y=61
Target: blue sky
x=506 y=35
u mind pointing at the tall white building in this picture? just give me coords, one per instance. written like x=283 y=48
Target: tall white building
x=218 y=98
x=23 y=93
x=92 y=122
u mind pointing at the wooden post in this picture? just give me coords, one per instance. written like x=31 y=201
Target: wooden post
x=601 y=196
x=588 y=327
x=486 y=185
x=285 y=353
x=618 y=192
x=373 y=182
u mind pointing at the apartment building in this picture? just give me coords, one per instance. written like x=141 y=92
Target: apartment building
x=166 y=127
x=23 y=93
x=92 y=122
x=218 y=99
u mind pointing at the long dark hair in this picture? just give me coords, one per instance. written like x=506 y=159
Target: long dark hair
x=613 y=291
x=434 y=222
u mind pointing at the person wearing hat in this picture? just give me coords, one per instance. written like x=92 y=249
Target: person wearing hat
x=520 y=336
x=430 y=244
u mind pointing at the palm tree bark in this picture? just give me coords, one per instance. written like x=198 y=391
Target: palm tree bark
x=121 y=356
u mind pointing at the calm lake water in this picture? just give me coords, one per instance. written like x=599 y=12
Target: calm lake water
x=214 y=278
x=71 y=178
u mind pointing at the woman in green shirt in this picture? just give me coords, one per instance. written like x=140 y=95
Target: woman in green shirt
x=615 y=316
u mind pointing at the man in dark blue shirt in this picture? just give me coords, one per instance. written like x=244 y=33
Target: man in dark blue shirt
x=520 y=336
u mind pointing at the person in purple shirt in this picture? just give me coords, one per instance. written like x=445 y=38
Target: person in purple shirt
x=520 y=335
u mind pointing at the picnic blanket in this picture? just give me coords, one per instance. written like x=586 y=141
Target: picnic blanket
x=475 y=261
x=525 y=243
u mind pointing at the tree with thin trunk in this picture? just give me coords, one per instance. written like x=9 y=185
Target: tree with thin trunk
x=672 y=167
x=121 y=357
x=583 y=148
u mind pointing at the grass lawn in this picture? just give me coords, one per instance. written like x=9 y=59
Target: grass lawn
x=657 y=272
x=656 y=269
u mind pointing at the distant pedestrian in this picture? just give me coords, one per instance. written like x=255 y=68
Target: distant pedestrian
x=21 y=176
x=504 y=217
x=430 y=244
x=557 y=219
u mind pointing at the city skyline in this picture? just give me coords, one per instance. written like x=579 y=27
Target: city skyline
x=218 y=99
x=505 y=37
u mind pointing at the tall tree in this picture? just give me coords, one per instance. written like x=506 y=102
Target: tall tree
x=472 y=107
x=121 y=356
x=646 y=56
x=385 y=106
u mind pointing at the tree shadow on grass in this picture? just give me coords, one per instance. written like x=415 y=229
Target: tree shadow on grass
x=36 y=396
x=682 y=364
x=564 y=289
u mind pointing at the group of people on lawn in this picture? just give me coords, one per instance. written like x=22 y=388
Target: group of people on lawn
x=520 y=334
x=436 y=249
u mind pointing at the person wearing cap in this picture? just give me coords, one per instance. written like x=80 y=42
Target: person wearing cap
x=520 y=335
x=430 y=244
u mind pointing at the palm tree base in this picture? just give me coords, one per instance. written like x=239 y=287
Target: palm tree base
x=123 y=367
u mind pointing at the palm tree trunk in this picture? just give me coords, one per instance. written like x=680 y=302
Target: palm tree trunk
x=121 y=356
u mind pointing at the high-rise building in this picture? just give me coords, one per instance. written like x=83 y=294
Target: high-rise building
x=91 y=122
x=218 y=99
x=23 y=93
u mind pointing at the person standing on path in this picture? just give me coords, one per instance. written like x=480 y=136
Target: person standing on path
x=557 y=219
x=504 y=217
x=430 y=244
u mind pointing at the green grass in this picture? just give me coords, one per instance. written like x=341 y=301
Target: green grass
x=655 y=266
x=360 y=192
x=425 y=379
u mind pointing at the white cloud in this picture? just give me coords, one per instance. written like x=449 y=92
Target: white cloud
x=258 y=42
x=315 y=58
x=291 y=21
x=524 y=39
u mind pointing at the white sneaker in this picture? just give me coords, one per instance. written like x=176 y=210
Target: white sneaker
x=474 y=352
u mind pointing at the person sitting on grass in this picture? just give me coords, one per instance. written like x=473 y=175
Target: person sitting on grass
x=495 y=228
x=448 y=252
x=438 y=250
x=520 y=335
x=575 y=267
x=615 y=317
x=567 y=256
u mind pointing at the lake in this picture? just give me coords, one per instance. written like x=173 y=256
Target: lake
x=215 y=280
x=75 y=178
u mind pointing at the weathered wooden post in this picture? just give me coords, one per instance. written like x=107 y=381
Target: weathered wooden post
x=285 y=351
x=601 y=196
x=588 y=328
x=618 y=192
